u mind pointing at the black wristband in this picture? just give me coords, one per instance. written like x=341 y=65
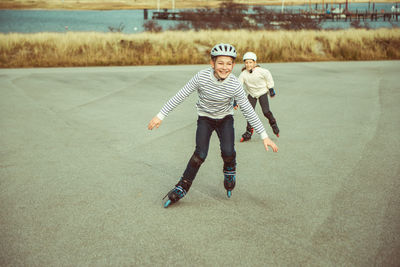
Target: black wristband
x=271 y=92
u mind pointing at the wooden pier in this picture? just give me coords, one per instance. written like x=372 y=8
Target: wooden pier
x=278 y=16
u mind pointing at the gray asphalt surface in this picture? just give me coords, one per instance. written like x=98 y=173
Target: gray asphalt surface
x=82 y=179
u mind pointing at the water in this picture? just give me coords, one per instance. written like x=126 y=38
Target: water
x=30 y=21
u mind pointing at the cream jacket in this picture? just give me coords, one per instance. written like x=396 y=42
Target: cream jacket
x=258 y=82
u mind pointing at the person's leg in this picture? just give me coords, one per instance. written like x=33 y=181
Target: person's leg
x=226 y=135
x=203 y=133
x=264 y=104
x=253 y=103
x=249 y=130
x=268 y=114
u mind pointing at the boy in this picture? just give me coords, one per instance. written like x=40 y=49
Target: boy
x=217 y=88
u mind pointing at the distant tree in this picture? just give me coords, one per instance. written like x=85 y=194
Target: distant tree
x=300 y=22
x=264 y=16
x=229 y=15
x=201 y=18
x=120 y=28
x=152 y=26
x=233 y=15
x=357 y=24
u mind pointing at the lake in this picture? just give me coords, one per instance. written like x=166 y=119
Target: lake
x=30 y=21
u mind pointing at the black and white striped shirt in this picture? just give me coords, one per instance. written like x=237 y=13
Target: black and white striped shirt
x=215 y=99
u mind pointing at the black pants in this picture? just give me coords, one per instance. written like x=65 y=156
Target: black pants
x=226 y=134
x=264 y=106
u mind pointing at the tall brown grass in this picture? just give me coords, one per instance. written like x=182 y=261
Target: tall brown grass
x=174 y=47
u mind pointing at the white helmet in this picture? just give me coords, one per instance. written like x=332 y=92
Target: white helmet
x=223 y=50
x=250 y=55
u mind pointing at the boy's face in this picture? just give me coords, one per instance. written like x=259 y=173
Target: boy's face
x=250 y=64
x=223 y=66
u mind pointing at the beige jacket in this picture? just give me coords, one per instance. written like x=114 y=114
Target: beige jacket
x=258 y=82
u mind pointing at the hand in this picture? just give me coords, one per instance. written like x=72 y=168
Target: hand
x=269 y=142
x=235 y=105
x=271 y=92
x=155 y=122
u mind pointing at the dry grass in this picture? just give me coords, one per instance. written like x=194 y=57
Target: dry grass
x=140 y=4
x=165 y=48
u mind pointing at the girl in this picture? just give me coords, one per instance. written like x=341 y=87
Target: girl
x=217 y=88
x=258 y=83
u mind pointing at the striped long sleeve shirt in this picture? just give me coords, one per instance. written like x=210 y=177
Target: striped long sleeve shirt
x=215 y=99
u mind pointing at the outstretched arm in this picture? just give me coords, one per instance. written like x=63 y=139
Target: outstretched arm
x=182 y=94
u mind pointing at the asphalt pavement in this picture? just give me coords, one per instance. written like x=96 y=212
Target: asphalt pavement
x=82 y=179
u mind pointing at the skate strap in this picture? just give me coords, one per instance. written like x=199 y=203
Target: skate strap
x=180 y=191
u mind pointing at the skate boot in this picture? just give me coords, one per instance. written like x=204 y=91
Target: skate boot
x=247 y=135
x=275 y=129
x=272 y=123
x=229 y=179
x=178 y=192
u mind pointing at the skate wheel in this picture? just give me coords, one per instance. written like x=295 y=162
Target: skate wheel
x=166 y=204
x=241 y=140
x=277 y=135
x=229 y=193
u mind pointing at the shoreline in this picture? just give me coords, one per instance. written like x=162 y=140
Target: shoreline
x=127 y=5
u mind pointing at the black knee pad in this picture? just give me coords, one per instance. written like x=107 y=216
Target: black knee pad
x=196 y=161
